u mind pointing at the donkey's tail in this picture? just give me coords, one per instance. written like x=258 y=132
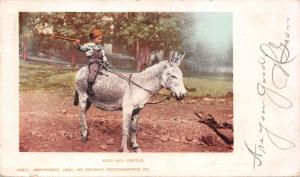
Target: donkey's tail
x=75 y=98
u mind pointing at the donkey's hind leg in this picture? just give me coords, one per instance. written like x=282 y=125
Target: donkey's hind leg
x=127 y=111
x=84 y=104
x=133 y=130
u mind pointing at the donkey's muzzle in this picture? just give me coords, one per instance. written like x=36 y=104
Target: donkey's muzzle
x=179 y=96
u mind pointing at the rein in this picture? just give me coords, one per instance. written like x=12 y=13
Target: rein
x=112 y=70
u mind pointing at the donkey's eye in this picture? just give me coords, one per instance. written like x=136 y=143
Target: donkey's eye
x=174 y=77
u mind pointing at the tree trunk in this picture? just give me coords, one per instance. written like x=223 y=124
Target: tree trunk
x=25 y=48
x=137 y=55
x=142 y=56
x=73 y=58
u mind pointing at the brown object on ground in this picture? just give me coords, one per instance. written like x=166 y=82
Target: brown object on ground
x=189 y=89
x=51 y=119
x=215 y=126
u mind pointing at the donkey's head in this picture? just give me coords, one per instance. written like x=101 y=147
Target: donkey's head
x=172 y=76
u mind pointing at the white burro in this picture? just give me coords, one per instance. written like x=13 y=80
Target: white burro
x=130 y=95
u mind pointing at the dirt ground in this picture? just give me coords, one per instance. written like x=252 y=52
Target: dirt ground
x=50 y=123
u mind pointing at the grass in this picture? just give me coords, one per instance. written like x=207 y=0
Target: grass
x=57 y=78
x=33 y=76
x=209 y=85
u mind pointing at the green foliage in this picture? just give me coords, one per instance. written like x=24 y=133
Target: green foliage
x=131 y=32
x=155 y=30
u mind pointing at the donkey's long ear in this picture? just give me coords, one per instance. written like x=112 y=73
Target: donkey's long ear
x=179 y=58
x=171 y=56
x=176 y=57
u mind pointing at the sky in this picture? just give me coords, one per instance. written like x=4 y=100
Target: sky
x=214 y=29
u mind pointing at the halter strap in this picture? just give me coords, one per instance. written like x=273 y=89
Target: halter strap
x=166 y=86
x=129 y=79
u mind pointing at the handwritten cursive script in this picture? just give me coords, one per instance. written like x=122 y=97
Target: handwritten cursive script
x=278 y=55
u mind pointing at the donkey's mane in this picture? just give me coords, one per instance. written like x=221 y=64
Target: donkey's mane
x=156 y=69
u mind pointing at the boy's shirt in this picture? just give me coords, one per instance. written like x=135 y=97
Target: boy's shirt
x=90 y=48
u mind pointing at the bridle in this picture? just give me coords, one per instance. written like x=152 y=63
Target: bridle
x=110 y=69
x=166 y=86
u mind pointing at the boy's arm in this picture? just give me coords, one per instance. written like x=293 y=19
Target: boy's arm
x=82 y=48
x=104 y=56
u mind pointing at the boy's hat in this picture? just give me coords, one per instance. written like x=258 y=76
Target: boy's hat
x=95 y=33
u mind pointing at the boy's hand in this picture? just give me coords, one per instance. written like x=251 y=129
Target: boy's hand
x=76 y=42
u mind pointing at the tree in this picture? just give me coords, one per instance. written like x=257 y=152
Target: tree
x=71 y=24
x=139 y=32
x=145 y=32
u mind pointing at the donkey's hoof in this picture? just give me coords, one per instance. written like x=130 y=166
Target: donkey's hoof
x=137 y=150
x=84 y=135
x=136 y=147
x=121 y=149
x=84 y=139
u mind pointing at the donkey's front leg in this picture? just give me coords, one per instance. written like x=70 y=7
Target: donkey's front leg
x=83 y=126
x=133 y=130
x=127 y=111
x=84 y=104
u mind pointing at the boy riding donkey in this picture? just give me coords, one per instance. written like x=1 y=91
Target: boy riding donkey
x=95 y=53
